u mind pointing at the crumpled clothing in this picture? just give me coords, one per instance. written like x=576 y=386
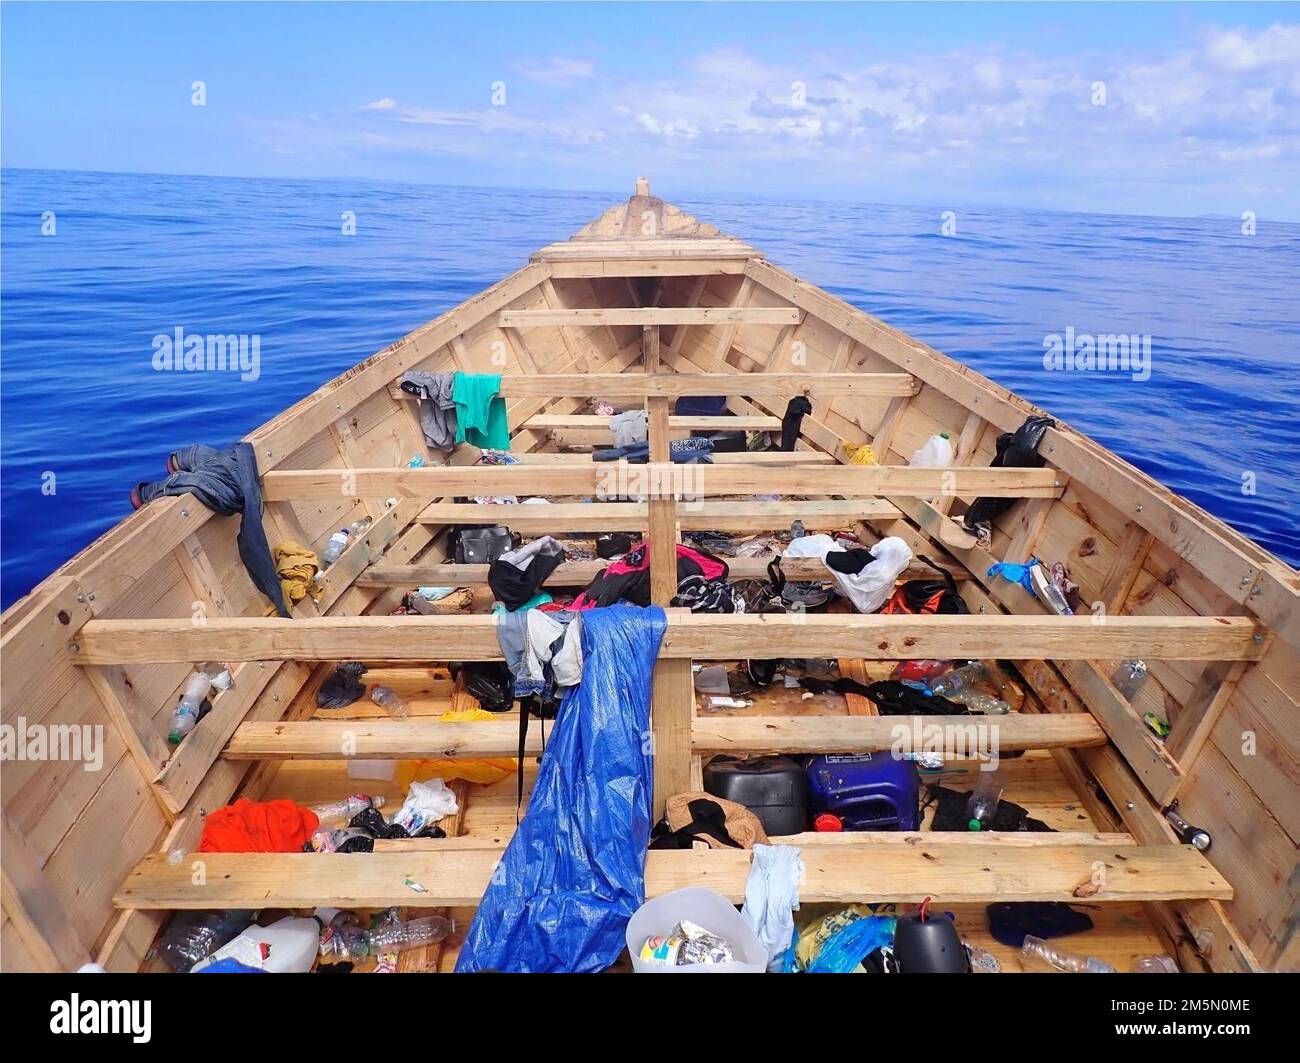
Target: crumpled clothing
x=437 y=407
x=258 y=827
x=537 y=601
x=771 y=894
x=226 y=481
x=860 y=453
x=692 y=450
x=480 y=411
x=517 y=575
x=1013 y=573
x=702 y=595
x=543 y=650
x=457 y=601
x=296 y=566
x=870 y=587
x=343 y=687
x=795 y=411
x=426 y=803
x=485 y=770
x=629 y=428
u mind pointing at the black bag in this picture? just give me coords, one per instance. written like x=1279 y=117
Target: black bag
x=481 y=545
x=927 y=595
x=1015 y=450
x=491 y=683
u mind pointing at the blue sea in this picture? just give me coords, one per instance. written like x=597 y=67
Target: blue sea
x=86 y=416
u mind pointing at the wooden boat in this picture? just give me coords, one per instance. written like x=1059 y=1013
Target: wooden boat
x=644 y=304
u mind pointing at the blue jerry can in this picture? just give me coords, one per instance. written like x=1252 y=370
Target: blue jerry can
x=866 y=791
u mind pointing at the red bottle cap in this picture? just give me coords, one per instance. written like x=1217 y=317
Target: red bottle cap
x=828 y=821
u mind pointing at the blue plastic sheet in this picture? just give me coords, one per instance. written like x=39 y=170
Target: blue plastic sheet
x=849 y=945
x=574 y=872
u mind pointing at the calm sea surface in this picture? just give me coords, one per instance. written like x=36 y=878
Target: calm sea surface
x=137 y=256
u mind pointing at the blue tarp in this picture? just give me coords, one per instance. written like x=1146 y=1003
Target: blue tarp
x=574 y=872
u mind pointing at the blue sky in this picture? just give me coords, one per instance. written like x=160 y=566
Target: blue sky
x=961 y=104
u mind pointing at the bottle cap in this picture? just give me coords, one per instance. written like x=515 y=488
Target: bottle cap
x=828 y=822
x=943 y=435
x=974 y=824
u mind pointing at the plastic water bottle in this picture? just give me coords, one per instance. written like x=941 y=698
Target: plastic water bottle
x=186 y=713
x=348 y=807
x=1129 y=677
x=982 y=806
x=959 y=686
x=936 y=453
x=338 y=542
x=360 y=527
x=389 y=700
x=1038 y=949
x=411 y=934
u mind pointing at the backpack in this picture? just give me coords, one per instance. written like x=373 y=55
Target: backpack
x=927 y=595
x=481 y=545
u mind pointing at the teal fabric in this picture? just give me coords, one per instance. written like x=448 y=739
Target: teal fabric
x=541 y=598
x=480 y=411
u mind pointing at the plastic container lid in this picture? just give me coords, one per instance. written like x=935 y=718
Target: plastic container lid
x=828 y=822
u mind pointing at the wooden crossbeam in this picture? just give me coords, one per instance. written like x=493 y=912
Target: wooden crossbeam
x=580 y=573
x=474 y=638
x=976 y=735
x=436 y=739
x=614 y=479
x=902 y=874
x=430 y=739
x=599 y=426
x=652 y=315
x=642 y=385
x=558 y=517
x=757 y=458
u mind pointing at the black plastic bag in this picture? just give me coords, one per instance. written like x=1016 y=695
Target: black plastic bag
x=1016 y=450
x=343 y=687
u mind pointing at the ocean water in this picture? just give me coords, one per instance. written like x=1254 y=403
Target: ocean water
x=86 y=416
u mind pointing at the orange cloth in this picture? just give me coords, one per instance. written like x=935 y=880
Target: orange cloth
x=258 y=827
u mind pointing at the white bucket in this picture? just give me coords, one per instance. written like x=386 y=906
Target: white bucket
x=706 y=909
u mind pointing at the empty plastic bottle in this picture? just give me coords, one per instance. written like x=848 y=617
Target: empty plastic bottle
x=348 y=807
x=411 y=934
x=936 y=453
x=193 y=936
x=982 y=806
x=959 y=685
x=1155 y=965
x=1036 y=949
x=337 y=544
x=186 y=713
x=391 y=702
x=360 y=527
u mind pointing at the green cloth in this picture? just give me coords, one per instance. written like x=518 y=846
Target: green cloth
x=541 y=598
x=480 y=411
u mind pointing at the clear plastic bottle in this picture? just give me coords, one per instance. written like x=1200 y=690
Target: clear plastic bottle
x=337 y=544
x=348 y=807
x=391 y=702
x=360 y=527
x=982 y=806
x=936 y=453
x=959 y=685
x=193 y=936
x=1036 y=949
x=1155 y=965
x=1129 y=677
x=411 y=934
x=186 y=713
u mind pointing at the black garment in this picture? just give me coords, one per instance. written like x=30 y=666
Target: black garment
x=613 y=544
x=226 y=482
x=702 y=595
x=950 y=813
x=343 y=687
x=1009 y=923
x=795 y=411
x=850 y=561
x=891 y=697
x=513 y=586
x=491 y=683
x=707 y=817
x=1016 y=450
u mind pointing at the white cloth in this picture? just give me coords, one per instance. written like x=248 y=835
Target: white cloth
x=426 y=802
x=869 y=589
x=566 y=661
x=523 y=557
x=771 y=894
x=629 y=428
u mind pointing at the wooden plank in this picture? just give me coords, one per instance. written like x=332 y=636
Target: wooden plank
x=1126 y=567
x=1192 y=727
x=650 y=315
x=688 y=267
x=473 y=637
x=900 y=874
x=978 y=736
x=605 y=478
x=548 y=421
x=45 y=625
x=382 y=739
x=639 y=386
x=43 y=926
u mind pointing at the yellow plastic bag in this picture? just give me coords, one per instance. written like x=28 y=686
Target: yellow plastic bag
x=860 y=454
x=486 y=771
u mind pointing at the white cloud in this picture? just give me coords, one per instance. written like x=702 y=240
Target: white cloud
x=557 y=70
